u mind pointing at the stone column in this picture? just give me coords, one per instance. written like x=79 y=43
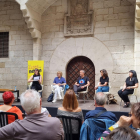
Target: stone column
x=137 y=40
x=37 y=49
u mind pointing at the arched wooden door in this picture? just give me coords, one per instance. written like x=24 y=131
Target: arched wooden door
x=73 y=68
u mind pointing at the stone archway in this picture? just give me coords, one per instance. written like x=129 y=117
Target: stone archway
x=90 y=47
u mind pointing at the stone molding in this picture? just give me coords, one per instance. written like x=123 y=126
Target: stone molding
x=79 y=20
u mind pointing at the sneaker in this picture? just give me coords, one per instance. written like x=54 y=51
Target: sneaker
x=53 y=101
x=60 y=97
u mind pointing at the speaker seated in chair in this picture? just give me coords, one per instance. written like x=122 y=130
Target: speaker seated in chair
x=82 y=83
x=58 y=85
x=131 y=83
x=103 y=85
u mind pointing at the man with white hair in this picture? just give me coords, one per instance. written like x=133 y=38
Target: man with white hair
x=82 y=83
x=100 y=111
x=36 y=125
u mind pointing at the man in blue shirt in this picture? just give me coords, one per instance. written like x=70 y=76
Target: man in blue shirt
x=58 y=84
x=100 y=100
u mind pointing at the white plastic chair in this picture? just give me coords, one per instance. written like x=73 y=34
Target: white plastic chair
x=39 y=90
x=84 y=93
x=107 y=93
x=61 y=92
x=131 y=95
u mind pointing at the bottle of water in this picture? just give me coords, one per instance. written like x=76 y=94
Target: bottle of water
x=15 y=88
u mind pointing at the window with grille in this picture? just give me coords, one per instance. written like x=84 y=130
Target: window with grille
x=4 y=44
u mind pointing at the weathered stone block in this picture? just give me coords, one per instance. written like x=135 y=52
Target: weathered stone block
x=127 y=22
x=125 y=28
x=108 y=3
x=114 y=22
x=99 y=30
x=113 y=16
x=16 y=16
x=102 y=37
x=98 y=5
x=102 y=11
x=101 y=24
x=121 y=9
x=2 y=64
x=110 y=29
x=59 y=34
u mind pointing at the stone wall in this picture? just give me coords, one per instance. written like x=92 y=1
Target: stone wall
x=13 y=70
x=113 y=28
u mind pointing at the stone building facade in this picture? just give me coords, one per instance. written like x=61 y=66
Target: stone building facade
x=37 y=31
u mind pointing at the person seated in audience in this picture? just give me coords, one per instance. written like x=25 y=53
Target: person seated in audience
x=36 y=125
x=123 y=133
x=58 y=84
x=100 y=100
x=82 y=83
x=131 y=83
x=8 y=98
x=37 y=80
x=133 y=121
x=103 y=85
x=70 y=108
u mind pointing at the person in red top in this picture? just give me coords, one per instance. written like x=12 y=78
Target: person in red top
x=8 y=98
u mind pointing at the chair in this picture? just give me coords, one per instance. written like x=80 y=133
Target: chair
x=61 y=92
x=67 y=126
x=107 y=93
x=40 y=91
x=84 y=93
x=131 y=95
x=4 y=118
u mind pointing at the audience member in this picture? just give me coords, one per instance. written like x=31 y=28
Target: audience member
x=131 y=83
x=58 y=84
x=123 y=133
x=70 y=108
x=100 y=100
x=37 y=80
x=36 y=125
x=133 y=121
x=103 y=85
x=8 y=98
x=82 y=83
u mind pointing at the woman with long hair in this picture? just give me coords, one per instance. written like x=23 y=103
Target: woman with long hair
x=130 y=84
x=71 y=108
x=37 y=80
x=103 y=85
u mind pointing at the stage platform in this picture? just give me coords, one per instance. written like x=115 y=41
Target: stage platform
x=87 y=106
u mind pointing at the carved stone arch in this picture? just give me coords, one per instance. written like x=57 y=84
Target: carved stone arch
x=90 y=47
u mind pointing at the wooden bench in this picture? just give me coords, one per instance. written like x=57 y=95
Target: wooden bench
x=12 y=90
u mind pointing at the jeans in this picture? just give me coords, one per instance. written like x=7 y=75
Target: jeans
x=103 y=89
x=78 y=89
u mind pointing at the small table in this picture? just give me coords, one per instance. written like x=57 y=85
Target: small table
x=17 y=91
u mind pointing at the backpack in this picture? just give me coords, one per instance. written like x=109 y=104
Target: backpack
x=50 y=98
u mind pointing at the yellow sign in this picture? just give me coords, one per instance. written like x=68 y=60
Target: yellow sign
x=35 y=64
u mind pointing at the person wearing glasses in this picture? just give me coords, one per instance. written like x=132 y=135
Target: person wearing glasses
x=37 y=80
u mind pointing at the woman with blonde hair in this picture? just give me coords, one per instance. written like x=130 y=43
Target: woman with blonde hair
x=58 y=84
x=71 y=108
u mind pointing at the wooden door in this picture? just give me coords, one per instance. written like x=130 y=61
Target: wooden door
x=73 y=70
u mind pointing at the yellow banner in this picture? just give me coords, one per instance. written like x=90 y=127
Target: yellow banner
x=35 y=64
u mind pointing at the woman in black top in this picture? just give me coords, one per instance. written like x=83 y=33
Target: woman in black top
x=103 y=83
x=131 y=83
x=37 y=80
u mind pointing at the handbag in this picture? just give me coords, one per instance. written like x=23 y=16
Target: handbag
x=50 y=98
